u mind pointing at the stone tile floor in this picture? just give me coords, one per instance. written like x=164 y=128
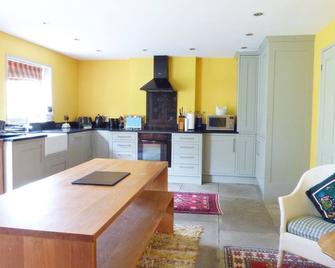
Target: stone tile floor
x=246 y=221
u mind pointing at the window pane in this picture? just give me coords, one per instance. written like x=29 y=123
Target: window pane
x=28 y=100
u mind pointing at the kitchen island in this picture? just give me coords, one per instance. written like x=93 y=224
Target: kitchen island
x=52 y=223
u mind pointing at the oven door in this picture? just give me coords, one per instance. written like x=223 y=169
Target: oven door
x=155 y=148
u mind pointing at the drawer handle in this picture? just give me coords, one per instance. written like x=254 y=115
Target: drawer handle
x=186 y=167
x=125 y=137
x=187 y=147
x=189 y=139
x=124 y=145
x=123 y=155
x=187 y=157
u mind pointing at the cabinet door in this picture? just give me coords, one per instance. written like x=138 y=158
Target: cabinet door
x=80 y=149
x=54 y=164
x=245 y=155
x=260 y=162
x=28 y=159
x=100 y=144
x=262 y=94
x=219 y=154
x=247 y=94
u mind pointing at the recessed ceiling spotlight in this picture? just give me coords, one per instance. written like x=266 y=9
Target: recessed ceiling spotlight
x=44 y=22
x=76 y=39
x=98 y=50
x=258 y=14
x=244 y=47
x=144 y=49
x=191 y=48
x=249 y=34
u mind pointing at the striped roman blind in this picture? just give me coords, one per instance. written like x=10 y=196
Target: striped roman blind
x=23 y=71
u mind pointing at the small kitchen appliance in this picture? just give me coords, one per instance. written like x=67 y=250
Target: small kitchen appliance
x=221 y=122
x=85 y=122
x=133 y=122
x=190 y=121
x=100 y=121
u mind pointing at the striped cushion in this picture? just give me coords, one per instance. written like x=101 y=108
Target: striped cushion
x=310 y=227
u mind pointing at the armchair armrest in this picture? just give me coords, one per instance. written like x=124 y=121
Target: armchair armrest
x=293 y=205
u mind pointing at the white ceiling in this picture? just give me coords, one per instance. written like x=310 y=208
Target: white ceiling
x=122 y=28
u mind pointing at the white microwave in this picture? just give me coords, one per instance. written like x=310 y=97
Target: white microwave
x=221 y=122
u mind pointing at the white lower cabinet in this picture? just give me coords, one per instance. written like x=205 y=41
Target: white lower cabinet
x=229 y=157
x=23 y=162
x=220 y=154
x=100 y=143
x=245 y=155
x=123 y=145
x=186 y=158
x=54 y=163
x=80 y=148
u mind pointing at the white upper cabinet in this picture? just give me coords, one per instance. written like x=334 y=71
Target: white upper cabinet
x=262 y=93
x=247 y=94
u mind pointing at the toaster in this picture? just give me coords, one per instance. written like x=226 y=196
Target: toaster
x=133 y=122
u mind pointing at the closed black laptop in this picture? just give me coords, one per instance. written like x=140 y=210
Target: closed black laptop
x=105 y=178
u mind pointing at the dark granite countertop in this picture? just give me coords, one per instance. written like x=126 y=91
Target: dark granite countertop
x=44 y=133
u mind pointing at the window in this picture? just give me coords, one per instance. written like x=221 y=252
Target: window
x=29 y=92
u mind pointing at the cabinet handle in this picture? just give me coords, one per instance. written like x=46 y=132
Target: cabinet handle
x=124 y=137
x=186 y=167
x=188 y=139
x=234 y=146
x=124 y=145
x=187 y=157
x=187 y=147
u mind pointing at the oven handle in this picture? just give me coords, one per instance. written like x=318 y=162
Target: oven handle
x=151 y=141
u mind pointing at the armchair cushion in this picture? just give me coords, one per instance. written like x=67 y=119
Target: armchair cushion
x=309 y=227
x=323 y=197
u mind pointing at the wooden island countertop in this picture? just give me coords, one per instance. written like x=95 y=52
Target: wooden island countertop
x=83 y=225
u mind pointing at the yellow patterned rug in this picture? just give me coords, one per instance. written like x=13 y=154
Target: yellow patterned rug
x=177 y=250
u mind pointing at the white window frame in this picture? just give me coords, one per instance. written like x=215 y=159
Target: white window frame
x=49 y=75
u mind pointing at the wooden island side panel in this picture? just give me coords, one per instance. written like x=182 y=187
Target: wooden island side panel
x=85 y=226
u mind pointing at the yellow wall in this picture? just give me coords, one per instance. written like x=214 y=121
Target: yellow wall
x=216 y=84
x=323 y=39
x=200 y=83
x=112 y=87
x=118 y=84
x=64 y=70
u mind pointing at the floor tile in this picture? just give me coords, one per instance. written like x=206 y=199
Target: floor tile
x=245 y=222
x=174 y=187
x=240 y=191
x=247 y=239
x=196 y=217
x=205 y=188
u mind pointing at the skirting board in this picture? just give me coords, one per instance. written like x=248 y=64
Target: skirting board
x=230 y=179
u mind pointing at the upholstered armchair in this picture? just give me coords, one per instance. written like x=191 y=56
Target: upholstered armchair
x=301 y=224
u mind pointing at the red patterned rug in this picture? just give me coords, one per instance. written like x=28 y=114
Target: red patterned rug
x=238 y=257
x=196 y=203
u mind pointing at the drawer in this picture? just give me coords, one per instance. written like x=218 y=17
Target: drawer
x=185 y=148
x=195 y=138
x=186 y=159
x=124 y=155
x=185 y=169
x=124 y=147
x=124 y=136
